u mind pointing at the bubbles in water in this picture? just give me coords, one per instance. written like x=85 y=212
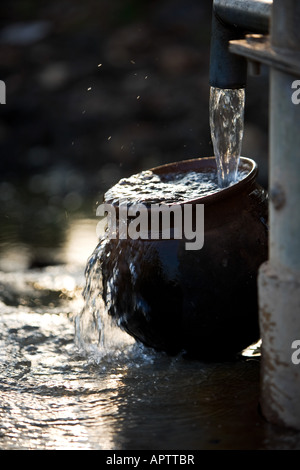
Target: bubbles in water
x=149 y=187
x=226 y=115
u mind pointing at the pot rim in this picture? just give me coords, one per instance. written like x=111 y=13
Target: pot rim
x=199 y=164
x=208 y=162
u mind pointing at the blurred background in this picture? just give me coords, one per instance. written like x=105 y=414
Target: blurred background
x=96 y=91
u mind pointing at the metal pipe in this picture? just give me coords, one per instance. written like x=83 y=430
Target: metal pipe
x=226 y=70
x=285 y=142
x=285 y=32
x=231 y=20
x=248 y=15
x=279 y=278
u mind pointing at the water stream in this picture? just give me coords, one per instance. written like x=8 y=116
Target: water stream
x=226 y=115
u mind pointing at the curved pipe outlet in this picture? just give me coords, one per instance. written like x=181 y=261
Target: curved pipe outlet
x=249 y=15
x=231 y=20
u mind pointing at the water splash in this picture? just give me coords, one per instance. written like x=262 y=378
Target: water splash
x=97 y=334
x=226 y=116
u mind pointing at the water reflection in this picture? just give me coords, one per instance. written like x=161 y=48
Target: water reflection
x=80 y=241
x=73 y=245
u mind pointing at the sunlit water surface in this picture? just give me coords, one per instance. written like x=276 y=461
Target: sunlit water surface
x=58 y=394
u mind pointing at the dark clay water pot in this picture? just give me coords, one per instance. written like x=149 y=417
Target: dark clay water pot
x=203 y=302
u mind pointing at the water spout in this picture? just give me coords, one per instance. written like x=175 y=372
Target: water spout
x=231 y=20
x=226 y=114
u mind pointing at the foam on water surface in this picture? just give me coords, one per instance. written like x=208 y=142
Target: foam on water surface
x=150 y=187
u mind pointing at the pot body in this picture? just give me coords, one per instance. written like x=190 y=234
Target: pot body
x=201 y=301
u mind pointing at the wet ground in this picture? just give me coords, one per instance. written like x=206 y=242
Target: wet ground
x=121 y=397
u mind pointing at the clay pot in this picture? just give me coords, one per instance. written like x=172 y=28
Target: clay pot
x=203 y=302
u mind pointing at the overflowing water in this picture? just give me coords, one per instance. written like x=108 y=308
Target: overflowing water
x=93 y=325
x=97 y=335
x=226 y=115
x=150 y=187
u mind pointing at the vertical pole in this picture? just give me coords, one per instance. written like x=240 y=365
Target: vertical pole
x=279 y=278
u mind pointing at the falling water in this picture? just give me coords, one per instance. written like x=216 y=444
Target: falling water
x=97 y=334
x=226 y=115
